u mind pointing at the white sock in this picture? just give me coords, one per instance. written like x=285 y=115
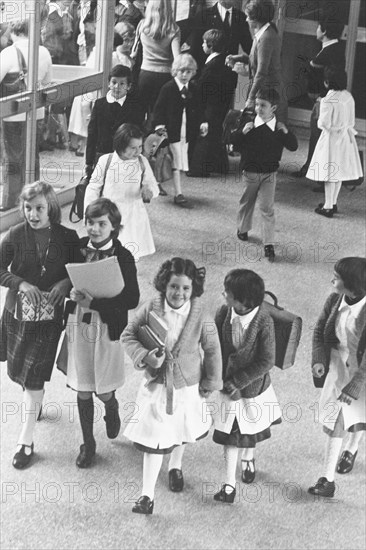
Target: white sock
x=352 y=441
x=337 y=188
x=32 y=402
x=152 y=465
x=175 y=460
x=329 y=193
x=332 y=451
x=231 y=458
x=176 y=181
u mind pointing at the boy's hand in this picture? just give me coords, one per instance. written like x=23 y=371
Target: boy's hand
x=230 y=61
x=152 y=360
x=344 y=398
x=250 y=104
x=282 y=127
x=161 y=131
x=203 y=392
x=318 y=369
x=204 y=129
x=249 y=126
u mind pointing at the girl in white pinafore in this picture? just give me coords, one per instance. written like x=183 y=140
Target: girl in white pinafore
x=129 y=182
x=336 y=156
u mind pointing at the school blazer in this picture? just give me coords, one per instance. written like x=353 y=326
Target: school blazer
x=216 y=86
x=249 y=366
x=104 y=121
x=169 y=107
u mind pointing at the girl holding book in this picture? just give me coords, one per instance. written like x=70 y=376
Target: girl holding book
x=171 y=398
x=91 y=354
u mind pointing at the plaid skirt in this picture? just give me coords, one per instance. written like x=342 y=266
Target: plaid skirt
x=29 y=348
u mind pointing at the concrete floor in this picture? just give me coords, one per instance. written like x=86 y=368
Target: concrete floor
x=55 y=505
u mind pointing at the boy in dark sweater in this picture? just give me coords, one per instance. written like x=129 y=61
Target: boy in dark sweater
x=261 y=142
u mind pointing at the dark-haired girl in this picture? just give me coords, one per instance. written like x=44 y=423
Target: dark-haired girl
x=171 y=399
x=33 y=255
x=94 y=362
x=339 y=344
x=336 y=156
x=248 y=404
x=130 y=183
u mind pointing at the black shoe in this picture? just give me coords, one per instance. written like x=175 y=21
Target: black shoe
x=112 y=420
x=144 y=505
x=302 y=172
x=86 y=457
x=162 y=191
x=346 y=462
x=242 y=236
x=247 y=475
x=21 y=460
x=335 y=207
x=180 y=200
x=327 y=212
x=222 y=496
x=176 y=481
x=269 y=252
x=323 y=488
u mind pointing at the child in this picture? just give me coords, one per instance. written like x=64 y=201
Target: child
x=36 y=251
x=336 y=156
x=118 y=107
x=96 y=365
x=247 y=339
x=215 y=90
x=339 y=343
x=122 y=54
x=261 y=142
x=170 y=402
x=177 y=113
x=129 y=182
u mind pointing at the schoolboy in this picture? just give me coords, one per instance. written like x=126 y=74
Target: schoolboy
x=261 y=142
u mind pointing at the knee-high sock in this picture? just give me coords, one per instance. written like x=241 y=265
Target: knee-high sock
x=329 y=194
x=231 y=458
x=32 y=402
x=86 y=415
x=176 y=458
x=332 y=451
x=176 y=181
x=152 y=465
x=248 y=453
x=352 y=442
x=337 y=188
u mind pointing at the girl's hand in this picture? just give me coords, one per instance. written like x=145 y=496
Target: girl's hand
x=249 y=126
x=83 y=298
x=203 y=392
x=32 y=292
x=282 y=127
x=344 y=398
x=152 y=360
x=59 y=291
x=146 y=193
x=230 y=61
x=161 y=131
x=318 y=370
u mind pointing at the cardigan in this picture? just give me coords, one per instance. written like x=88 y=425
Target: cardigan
x=114 y=311
x=324 y=339
x=248 y=366
x=18 y=250
x=189 y=367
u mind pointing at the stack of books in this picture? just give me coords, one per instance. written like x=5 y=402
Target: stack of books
x=153 y=335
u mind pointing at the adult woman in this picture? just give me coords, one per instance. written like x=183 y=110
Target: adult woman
x=14 y=127
x=160 y=40
x=36 y=251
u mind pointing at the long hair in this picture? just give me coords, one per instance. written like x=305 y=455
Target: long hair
x=159 y=21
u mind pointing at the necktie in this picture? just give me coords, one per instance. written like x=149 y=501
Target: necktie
x=184 y=93
x=227 y=20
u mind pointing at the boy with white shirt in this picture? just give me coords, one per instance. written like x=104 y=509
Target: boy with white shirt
x=261 y=142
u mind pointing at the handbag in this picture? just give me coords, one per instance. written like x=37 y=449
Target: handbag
x=288 y=328
x=14 y=83
x=352 y=184
x=231 y=123
x=157 y=151
x=26 y=311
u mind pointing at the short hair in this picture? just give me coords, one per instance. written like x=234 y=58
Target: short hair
x=120 y=71
x=262 y=11
x=352 y=271
x=331 y=26
x=336 y=77
x=180 y=266
x=183 y=60
x=124 y=134
x=246 y=286
x=216 y=40
x=268 y=94
x=32 y=190
x=124 y=27
x=101 y=207
x=20 y=27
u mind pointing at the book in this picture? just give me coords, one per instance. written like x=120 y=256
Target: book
x=102 y=279
x=153 y=334
x=158 y=325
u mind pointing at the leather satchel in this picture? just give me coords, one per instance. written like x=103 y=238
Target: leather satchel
x=288 y=328
x=14 y=83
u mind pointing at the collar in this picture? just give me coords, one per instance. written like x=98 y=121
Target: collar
x=123 y=3
x=222 y=12
x=244 y=319
x=184 y=310
x=262 y=30
x=271 y=123
x=110 y=99
x=54 y=7
x=180 y=85
x=212 y=56
x=329 y=43
x=106 y=246
x=355 y=309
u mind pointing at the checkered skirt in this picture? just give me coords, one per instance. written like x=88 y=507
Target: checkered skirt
x=29 y=348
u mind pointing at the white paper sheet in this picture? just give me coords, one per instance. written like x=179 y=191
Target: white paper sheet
x=102 y=279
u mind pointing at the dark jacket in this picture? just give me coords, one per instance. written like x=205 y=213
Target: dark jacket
x=247 y=367
x=114 y=311
x=216 y=88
